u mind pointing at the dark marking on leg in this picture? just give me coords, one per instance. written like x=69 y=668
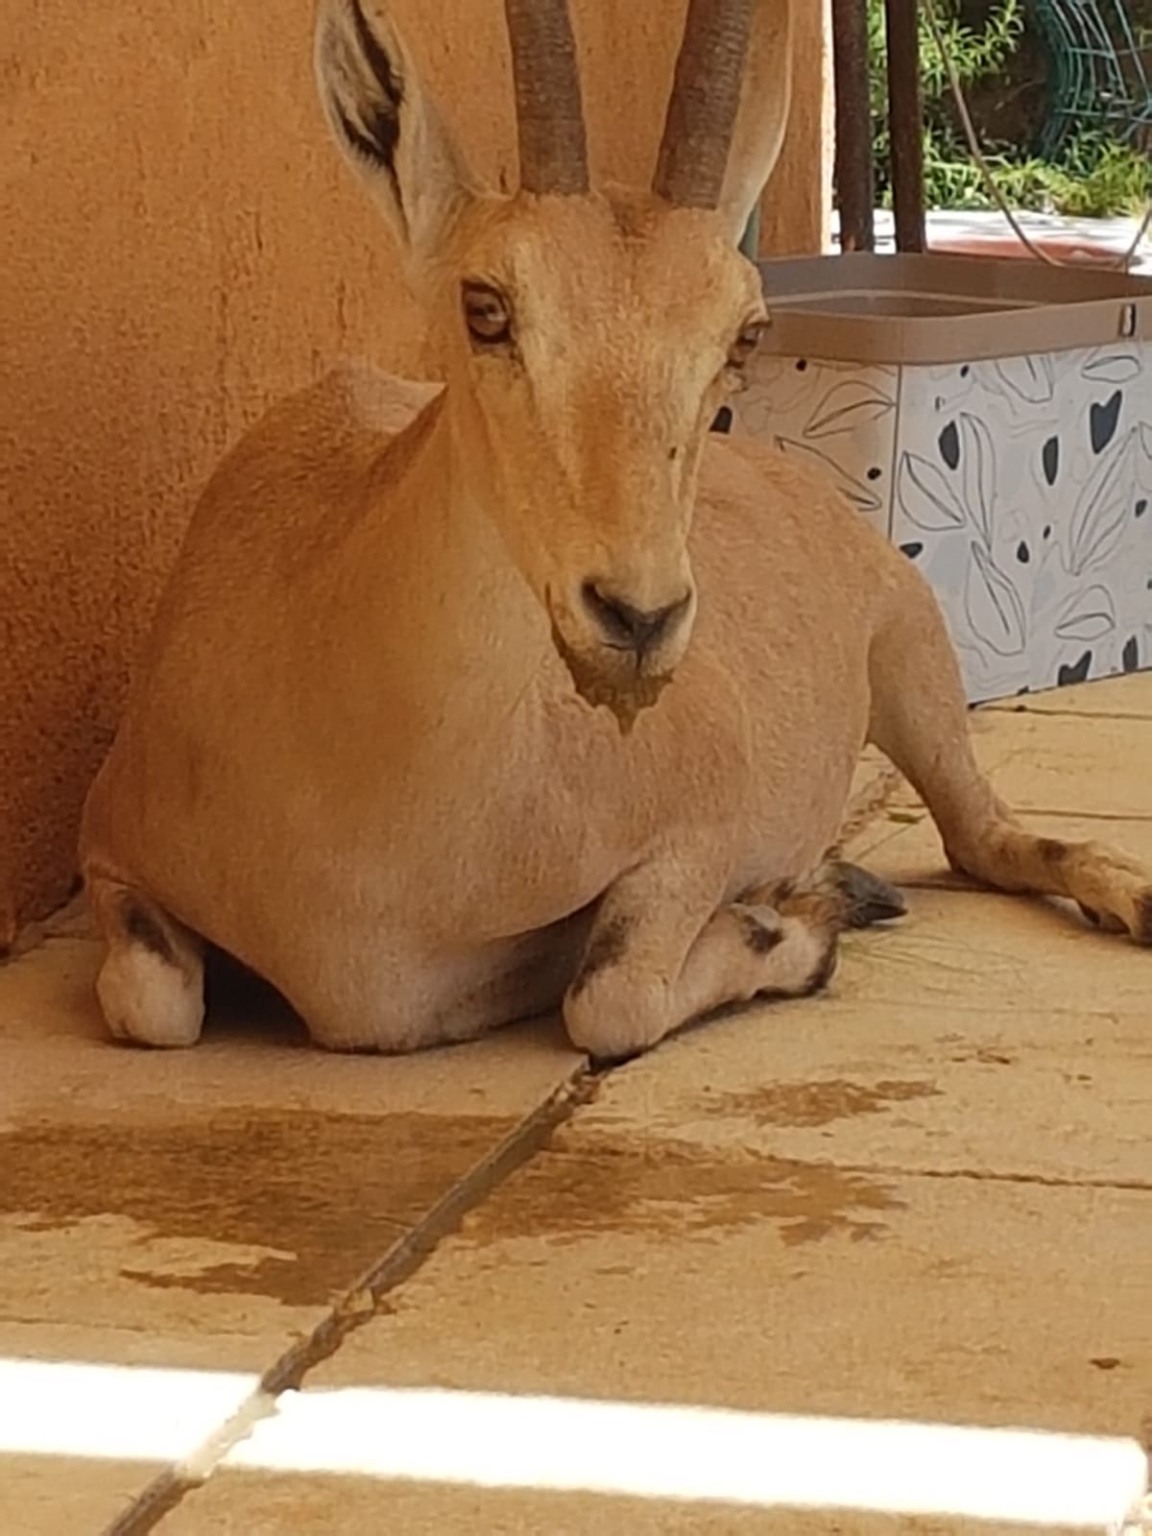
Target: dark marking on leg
x=825 y=969
x=1051 y=850
x=760 y=937
x=822 y=974
x=1142 y=932
x=820 y=906
x=607 y=945
x=144 y=929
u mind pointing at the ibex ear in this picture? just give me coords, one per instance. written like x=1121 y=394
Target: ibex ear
x=762 y=120
x=387 y=124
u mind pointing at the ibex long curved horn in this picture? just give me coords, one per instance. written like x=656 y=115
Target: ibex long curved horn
x=549 y=109
x=704 y=103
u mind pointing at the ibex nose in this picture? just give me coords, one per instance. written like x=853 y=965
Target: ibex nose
x=628 y=627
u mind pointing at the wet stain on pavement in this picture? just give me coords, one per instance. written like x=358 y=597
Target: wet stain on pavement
x=330 y=1193
x=586 y=1186
x=814 y=1104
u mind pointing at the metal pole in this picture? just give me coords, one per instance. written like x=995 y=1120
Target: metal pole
x=906 y=123
x=855 y=191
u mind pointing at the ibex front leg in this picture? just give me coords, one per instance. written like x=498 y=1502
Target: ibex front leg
x=653 y=964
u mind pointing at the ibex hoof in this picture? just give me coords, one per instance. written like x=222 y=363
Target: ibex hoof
x=868 y=899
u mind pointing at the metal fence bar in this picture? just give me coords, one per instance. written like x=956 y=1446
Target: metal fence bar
x=855 y=184
x=906 y=123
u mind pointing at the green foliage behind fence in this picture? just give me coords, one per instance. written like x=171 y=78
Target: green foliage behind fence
x=998 y=53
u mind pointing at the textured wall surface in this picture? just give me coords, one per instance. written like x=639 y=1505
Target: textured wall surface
x=179 y=245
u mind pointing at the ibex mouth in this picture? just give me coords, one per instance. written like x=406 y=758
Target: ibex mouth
x=621 y=687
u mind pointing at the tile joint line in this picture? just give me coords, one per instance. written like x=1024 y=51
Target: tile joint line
x=359 y=1303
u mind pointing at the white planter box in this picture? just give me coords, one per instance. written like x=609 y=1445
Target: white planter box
x=994 y=419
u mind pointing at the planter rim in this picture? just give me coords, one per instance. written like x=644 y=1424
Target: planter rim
x=936 y=309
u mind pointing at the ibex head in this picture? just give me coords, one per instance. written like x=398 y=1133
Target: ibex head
x=588 y=337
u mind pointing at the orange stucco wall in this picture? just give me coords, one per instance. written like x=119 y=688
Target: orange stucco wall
x=179 y=245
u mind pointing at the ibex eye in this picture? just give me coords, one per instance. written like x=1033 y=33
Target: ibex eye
x=486 y=314
x=745 y=344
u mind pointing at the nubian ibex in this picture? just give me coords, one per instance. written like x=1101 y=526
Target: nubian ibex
x=526 y=692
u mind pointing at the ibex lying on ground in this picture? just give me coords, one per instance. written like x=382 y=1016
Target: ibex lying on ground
x=464 y=704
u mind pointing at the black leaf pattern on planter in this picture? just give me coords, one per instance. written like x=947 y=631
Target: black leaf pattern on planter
x=1131 y=658
x=1108 y=367
x=911 y=550
x=995 y=611
x=1141 y=507
x=1087 y=616
x=1077 y=673
x=926 y=496
x=847 y=407
x=857 y=493
x=979 y=474
x=1023 y=553
x=1103 y=421
x=1031 y=379
x=949 y=444
x=1101 y=512
x=1050 y=458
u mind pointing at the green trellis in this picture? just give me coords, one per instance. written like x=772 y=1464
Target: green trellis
x=1100 y=69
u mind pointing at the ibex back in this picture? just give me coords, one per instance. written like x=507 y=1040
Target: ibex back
x=468 y=703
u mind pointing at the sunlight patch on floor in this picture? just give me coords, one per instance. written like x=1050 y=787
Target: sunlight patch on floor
x=496 y=1440
x=119 y=1412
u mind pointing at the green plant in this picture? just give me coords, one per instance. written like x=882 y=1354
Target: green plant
x=1095 y=175
x=975 y=54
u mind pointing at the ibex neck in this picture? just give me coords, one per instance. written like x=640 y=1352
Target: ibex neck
x=456 y=630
